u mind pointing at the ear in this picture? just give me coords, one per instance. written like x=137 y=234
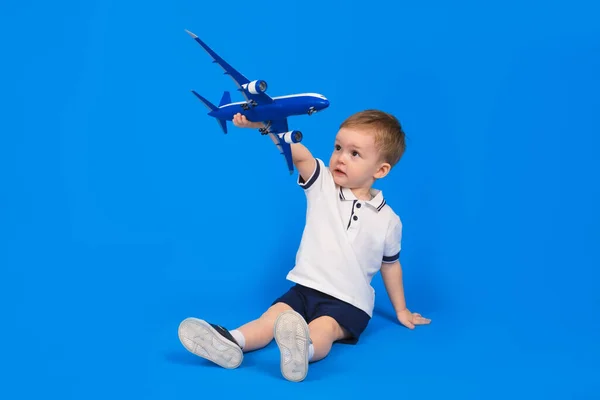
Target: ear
x=382 y=171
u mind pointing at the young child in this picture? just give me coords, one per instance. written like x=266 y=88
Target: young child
x=351 y=233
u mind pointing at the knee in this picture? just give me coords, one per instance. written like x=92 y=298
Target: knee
x=274 y=311
x=326 y=327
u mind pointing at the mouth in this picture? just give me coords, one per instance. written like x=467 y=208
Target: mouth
x=339 y=172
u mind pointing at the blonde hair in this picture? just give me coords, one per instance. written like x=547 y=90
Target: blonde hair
x=389 y=136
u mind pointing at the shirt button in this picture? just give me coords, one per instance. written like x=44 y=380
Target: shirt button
x=355 y=218
x=358 y=205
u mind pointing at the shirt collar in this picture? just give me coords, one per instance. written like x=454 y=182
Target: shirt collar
x=377 y=202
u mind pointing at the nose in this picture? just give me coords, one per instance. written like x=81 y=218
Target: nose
x=324 y=104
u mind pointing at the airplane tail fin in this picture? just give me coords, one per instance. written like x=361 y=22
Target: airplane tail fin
x=223 y=125
x=212 y=107
x=226 y=99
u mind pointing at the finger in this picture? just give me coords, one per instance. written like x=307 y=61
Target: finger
x=407 y=322
x=418 y=316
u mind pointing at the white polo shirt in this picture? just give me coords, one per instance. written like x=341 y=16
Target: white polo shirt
x=345 y=240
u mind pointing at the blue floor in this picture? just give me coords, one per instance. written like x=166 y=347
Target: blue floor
x=124 y=209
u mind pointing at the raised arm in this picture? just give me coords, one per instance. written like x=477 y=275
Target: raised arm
x=392 y=279
x=301 y=156
x=303 y=160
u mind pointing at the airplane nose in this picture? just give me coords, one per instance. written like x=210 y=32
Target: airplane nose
x=324 y=103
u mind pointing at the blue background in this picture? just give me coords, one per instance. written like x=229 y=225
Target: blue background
x=124 y=209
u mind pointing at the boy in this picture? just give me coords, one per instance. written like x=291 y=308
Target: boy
x=350 y=234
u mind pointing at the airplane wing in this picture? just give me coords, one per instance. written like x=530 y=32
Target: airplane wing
x=281 y=126
x=240 y=80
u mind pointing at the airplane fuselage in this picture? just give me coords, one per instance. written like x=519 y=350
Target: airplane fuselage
x=281 y=107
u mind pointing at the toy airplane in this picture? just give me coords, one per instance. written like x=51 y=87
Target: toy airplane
x=260 y=107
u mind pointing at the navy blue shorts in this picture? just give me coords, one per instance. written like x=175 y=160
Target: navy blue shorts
x=312 y=304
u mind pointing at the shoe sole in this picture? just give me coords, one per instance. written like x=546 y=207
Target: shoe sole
x=201 y=339
x=292 y=337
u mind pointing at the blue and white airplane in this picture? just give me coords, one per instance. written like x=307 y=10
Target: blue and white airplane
x=260 y=107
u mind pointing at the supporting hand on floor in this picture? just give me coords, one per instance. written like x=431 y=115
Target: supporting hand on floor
x=409 y=319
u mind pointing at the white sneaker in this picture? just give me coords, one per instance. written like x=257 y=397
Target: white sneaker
x=212 y=342
x=293 y=339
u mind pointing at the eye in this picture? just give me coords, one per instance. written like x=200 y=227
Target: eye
x=355 y=153
x=338 y=147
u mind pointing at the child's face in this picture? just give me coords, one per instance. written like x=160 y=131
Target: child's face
x=355 y=161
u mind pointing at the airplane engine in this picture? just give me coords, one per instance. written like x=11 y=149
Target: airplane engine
x=291 y=136
x=258 y=86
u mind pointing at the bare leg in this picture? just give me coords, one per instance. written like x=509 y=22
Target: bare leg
x=259 y=333
x=324 y=331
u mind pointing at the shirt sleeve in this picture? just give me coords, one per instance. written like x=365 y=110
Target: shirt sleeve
x=393 y=240
x=316 y=179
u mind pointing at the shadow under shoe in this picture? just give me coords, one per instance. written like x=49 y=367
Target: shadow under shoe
x=211 y=342
x=292 y=337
